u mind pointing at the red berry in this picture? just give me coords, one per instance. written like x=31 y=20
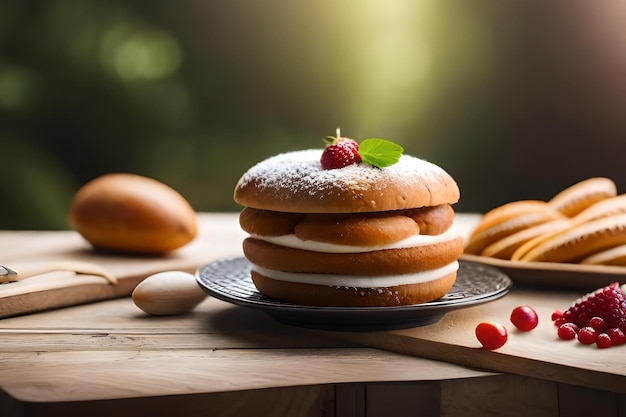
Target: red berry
x=556 y=314
x=603 y=341
x=617 y=336
x=587 y=335
x=350 y=143
x=597 y=323
x=491 y=335
x=567 y=331
x=608 y=303
x=524 y=318
x=341 y=153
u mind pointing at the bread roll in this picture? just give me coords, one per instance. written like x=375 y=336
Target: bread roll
x=133 y=214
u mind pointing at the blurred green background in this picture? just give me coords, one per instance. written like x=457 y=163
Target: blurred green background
x=515 y=99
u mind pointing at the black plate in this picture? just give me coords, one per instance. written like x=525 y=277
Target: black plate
x=229 y=280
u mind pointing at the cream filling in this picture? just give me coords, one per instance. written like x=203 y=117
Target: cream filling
x=354 y=281
x=291 y=241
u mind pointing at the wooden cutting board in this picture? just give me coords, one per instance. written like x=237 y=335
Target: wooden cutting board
x=538 y=353
x=23 y=251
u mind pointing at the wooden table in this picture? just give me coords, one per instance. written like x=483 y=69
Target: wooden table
x=109 y=358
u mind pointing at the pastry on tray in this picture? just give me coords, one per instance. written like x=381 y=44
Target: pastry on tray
x=582 y=224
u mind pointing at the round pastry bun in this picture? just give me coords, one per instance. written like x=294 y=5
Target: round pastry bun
x=357 y=229
x=290 y=195
x=323 y=295
x=374 y=263
x=295 y=182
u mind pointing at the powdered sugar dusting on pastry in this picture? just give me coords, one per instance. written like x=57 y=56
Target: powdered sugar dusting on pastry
x=301 y=171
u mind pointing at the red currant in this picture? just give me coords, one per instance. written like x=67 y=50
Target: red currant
x=524 y=318
x=617 y=336
x=587 y=335
x=556 y=314
x=603 y=341
x=597 y=323
x=567 y=331
x=491 y=335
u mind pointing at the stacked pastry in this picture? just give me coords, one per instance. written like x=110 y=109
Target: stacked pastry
x=584 y=223
x=355 y=236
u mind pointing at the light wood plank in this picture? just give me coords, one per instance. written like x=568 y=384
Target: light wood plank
x=219 y=236
x=83 y=352
x=538 y=354
x=113 y=374
x=119 y=324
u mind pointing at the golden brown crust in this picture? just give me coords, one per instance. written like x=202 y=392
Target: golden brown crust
x=506 y=247
x=580 y=241
x=132 y=214
x=486 y=236
x=364 y=229
x=603 y=208
x=508 y=211
x=582 y=195
x=591 y=228
x=356 y=229
x=433 y=220
x=268 y=223
x=322 y=295
x=296 y=182
x=376 y=263
x=613 y=256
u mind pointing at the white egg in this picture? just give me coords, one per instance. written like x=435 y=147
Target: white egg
x=168 y=293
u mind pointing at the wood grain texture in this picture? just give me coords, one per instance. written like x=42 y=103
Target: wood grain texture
x=218 y=237
x=108 y=356
x=538 y=354
x=112 y=350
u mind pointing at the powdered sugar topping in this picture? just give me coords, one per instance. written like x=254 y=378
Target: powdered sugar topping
x=301 y=171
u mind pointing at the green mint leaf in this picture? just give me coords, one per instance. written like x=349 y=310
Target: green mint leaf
x=329 y=140
x=380 y=153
